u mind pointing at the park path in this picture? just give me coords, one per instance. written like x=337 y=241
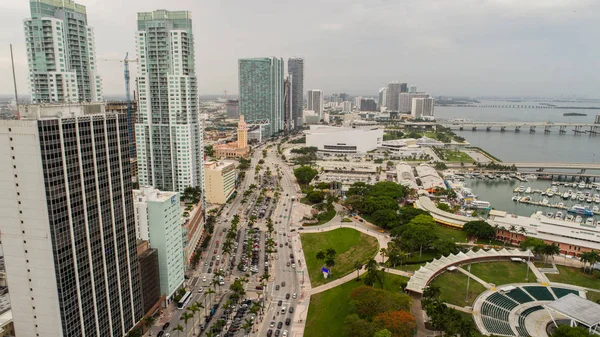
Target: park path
x=485 y=284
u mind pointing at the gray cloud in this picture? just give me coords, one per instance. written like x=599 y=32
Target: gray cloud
x=460 y=47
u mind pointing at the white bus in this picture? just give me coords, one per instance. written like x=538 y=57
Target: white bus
x=184 y=300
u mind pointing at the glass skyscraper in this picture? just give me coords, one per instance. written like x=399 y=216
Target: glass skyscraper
x=296 y=71
x=61 y=53
x=262 y=93
x=168 y=130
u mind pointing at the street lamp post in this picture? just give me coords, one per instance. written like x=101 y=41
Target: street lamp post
x=528 y=254
x=468 y=279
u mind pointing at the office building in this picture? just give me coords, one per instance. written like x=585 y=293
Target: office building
x=346 y=107
x=149 y=275
x=315 y=102
x=422 y=108
x=61 y=53
x=412 y=89
x=232 y=107
x=406 y=100
x=382 y=98
x=368 y=104
x=332 y=139
x=335 y=98
x=68 y=232
x=238 y=149
x=296 y=71
x=261 y=93
x=168 y=130
x=158 y=221
x=220 y=181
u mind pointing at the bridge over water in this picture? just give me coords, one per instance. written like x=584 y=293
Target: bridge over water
x=520 y=106
x=532 y=127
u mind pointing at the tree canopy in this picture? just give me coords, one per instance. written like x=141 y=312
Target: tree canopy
x=568 y=331
x=479 y=229
x=305 y=174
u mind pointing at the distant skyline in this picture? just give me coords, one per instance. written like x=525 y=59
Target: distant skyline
x=460 y=48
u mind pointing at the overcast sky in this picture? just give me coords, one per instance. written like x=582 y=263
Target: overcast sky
x=445 y=47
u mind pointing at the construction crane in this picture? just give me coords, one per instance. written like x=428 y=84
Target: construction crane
x=126 y=61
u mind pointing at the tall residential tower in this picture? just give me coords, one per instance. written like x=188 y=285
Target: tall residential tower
x=262 y=93
x=61 y=53
x=314 y=101
x=168 y=130
x=296 y=70
x=68 y=231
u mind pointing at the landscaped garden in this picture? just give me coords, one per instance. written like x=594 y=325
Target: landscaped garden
x=570 y=275
x=500 y=273
x=453 y=286
x=328 y=310
x=350 y=246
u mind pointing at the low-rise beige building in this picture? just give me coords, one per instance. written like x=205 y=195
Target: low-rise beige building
x=219 y=181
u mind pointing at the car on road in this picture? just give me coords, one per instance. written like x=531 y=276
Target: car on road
x=212 y=263
x=283 y=310
x=285 y=333
x=279 y=325
x=277 y=287
x=301 y=228
x=291 y=256
x=203 y=278
x=287 y=296
x=277 y=332
x=293 y=265
x=160 y=334
x=279 y=303
x=288 y=264
x=166 y=326
x=287 y=321
x=269 y=333
x=214 y=252
x=281 y=245
x=291 y=310
x=283 y=283
x=205 y=263
x=200 y=289
x=272 y=324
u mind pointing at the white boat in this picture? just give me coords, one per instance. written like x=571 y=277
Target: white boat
x=595 y=209
x=581 y=198
x=515 y=198
x=589 y=222
x=521 y=189
x=504 y=177
x=560 y=205
x=543 y=192
x=565 y=195
x=549 y=214
x=569 y=217
x=581 y=185
x=589 y=199
x=480 y=204
x=558 y=215
x=550 y=194
x=528 y=190
x=531 y=177
x=545 y=201
x=574 y=196
x=597 y=200
x=578 y=219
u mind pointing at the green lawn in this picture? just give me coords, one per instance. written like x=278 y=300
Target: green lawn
x=454 y=234
x=575 y=276
x=328 y=309
x=350 y=245
x=593 y=296
x=453 y=286
x=456 y=156
x=500 y=273
x=324 y=218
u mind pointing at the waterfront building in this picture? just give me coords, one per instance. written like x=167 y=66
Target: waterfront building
x=382 y=98
x=238 y=149
x=405 y=176
x=405 y=102
x=232 y=107
x=168 y=130
x=261 y=93
x=68 y=229
x=572 y=238
x=315 y=102
x=422 y=108
x=158 y=220
x=220 y=181
x=430 y=179
x=61 y=53
x=368 y=104
x=333 y=139
x=296 y=72
x=149 y=276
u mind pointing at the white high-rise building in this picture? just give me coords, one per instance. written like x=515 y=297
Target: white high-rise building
x=315 y=101
x=61 y=53
x=382 y=98
x=422 y=108
x=68 y=231
x=158 y=220
x=412 y=89
x=168 y=129
x=406 y=100
x=347 y=106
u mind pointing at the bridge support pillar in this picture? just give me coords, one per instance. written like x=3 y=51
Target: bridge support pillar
x=578 y=130
x=488 y=129
x=562 y=129
x=532 y=129
x=502 y=128
x=547 y=129
x=474 y=128
x=517 y=129
x=582 y=171
x=461 y=128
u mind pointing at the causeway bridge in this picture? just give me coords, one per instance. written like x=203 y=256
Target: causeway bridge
x=544 y=167
x=531 y=127
x=521 y=106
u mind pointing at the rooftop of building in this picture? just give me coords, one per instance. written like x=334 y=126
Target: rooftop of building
x=316 y=129
x=149 y=193
x=5 y=318
x=219 y=165
x=4 y=302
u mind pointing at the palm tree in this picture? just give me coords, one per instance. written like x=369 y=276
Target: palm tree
x=208 y=292
x=584 y=258
x=196 y=307
x=216 y=283
x=320 y=255
x=186 y=317
x=149 y=322
x=358 y=266
x=248 y=324
x=179 y=329
x=522 y=230
x=384 y=253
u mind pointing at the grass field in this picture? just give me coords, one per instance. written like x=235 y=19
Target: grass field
x=444 y=232
x=350 y=245
x=453 y=286
x=500 y=273
x=456 y=156
x=593 y=296
x=328 y=309
x=575 y=276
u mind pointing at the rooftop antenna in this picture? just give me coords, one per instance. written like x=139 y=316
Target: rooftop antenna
x=12 y=60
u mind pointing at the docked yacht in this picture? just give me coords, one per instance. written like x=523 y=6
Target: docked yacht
x=578 y=219
x=480 y=204
x=581 y=185
x=521 y=189
x=578 y=209
x=545 y=201
x=558 y=215
x=566 y=195
x=595 y=209
x=528 y=190
x=515 y=198
x=589 y=222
